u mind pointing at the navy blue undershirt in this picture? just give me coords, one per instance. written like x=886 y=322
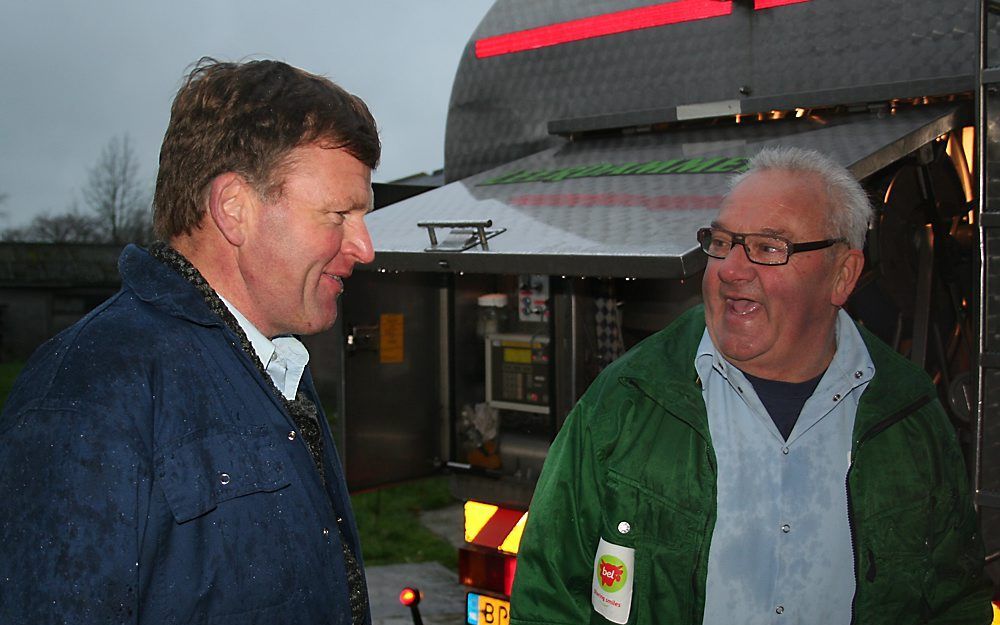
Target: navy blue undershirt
x=783 y=400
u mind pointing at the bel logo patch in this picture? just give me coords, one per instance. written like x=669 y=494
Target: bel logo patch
x=612 y=587
x=612 y=573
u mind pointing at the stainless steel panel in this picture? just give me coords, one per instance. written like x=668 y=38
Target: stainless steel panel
x=393 y=420
x=987 y=433
x=839 y=51
x=987 y=461
x=575 y=223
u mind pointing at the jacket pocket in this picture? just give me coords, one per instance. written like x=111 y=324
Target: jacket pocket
x=667 y=540
x=649 y=517
x=895 y=560
x=204 y=469
x=900 y=532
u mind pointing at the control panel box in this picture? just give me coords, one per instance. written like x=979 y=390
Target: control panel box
x=517 y=372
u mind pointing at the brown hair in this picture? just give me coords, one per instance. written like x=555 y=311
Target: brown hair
x=246 y=118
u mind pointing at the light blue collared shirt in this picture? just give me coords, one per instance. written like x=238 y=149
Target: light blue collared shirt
x=284 y=357
x=781 y=551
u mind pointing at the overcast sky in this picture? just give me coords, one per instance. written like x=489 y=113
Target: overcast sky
x=75 y=74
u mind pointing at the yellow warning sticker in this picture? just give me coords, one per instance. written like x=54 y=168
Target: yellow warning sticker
x=390 y=347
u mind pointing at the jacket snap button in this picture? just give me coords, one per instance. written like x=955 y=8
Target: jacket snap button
x=291 y=435
x=224 y=478
x=836 y=397
x=624 y=527
x=779 y=610
x=326 y=532
x=857 y=375
x=786 y=528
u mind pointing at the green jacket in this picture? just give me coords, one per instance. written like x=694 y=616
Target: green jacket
x=637 y=447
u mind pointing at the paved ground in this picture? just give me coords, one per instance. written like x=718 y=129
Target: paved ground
x=444 y=597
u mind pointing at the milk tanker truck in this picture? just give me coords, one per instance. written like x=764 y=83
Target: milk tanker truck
x=586 y=143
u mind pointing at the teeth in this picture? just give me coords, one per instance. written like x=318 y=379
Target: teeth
x=743 y=306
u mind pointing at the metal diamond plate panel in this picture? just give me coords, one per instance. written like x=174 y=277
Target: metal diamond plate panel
x=991 y=297
x=625 y=206
x=989 y=456
x=851 y=43
x=990 y=470
x=841 y=49
x=992 y=169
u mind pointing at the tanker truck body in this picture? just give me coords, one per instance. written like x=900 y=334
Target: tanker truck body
x=586 y=144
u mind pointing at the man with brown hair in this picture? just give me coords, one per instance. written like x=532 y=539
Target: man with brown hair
x=165 y=460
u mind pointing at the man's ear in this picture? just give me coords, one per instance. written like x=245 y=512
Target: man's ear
x=230 y=200
x=848 y=270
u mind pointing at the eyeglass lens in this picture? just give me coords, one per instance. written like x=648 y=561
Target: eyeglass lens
x=760 y=248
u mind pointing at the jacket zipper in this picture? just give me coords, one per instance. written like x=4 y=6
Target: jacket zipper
x=876 y=429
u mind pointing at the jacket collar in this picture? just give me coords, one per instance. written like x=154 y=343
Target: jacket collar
x=163 y=288
x=664 y=370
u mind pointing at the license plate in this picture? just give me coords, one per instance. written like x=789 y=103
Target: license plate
x=483 y=610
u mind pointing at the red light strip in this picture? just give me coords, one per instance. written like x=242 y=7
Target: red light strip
x=767 y=4
x=509 y=570
x=607 y=24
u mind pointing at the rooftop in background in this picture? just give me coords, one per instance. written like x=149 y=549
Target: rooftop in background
x=402 y=188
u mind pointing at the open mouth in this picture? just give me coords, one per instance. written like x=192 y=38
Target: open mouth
x=742 y=306
x=337 y=279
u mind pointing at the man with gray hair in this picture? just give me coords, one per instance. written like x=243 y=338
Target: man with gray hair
x=763 y=459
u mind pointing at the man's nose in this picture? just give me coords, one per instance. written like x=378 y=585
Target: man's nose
x=736 y=265
x=359 y=242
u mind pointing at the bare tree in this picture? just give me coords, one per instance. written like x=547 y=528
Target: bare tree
x=69 y=227
x=115 y=194
x=118 y=206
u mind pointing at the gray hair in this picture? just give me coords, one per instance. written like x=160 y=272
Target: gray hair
x=851 y=208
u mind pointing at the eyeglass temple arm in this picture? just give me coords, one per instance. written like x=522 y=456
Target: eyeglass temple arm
x=813 y=245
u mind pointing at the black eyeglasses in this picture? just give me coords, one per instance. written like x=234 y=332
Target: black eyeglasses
x=762 y=249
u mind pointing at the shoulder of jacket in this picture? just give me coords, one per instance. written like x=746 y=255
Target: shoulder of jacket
x=659 y=369
x=665 y=352
x=892 y=365
x=898 y=382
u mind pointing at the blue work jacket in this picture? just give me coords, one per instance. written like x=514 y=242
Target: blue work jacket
x=150 y=474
